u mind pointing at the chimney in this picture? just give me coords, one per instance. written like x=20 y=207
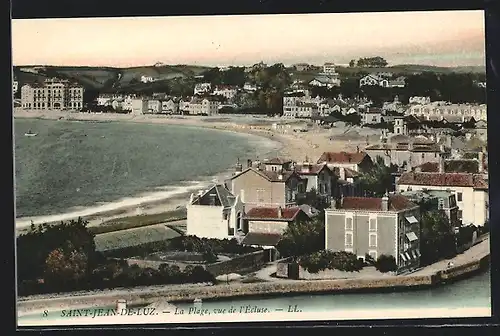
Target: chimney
x=280 y=212
x=280 y=177
x=385 y=202
x=441 y=165
x=249 y=163
x=333 y=203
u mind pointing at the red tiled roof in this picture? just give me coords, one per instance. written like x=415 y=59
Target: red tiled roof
x=475 y=181
x=396 y=203
x=287 y=214
x=342 y=157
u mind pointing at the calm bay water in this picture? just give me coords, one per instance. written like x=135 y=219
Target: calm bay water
x=72 y=163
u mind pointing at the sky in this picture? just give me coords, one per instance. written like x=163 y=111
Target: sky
x=444 y=38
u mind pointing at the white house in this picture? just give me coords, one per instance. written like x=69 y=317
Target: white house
x=169 y=106
x=250 y=87
x=214 y=213
x=450 y=112
x=370 y=80
x=139 y=105
x=471 y=191
x=154 y=106
x=329 y=68
x=419 y=100
x=147 y=79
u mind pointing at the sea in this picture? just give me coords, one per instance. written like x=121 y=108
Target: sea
x=80 y=167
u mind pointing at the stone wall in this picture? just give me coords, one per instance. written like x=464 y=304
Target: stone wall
x=235 y=265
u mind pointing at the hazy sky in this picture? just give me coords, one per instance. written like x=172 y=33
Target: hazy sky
x=447 y=38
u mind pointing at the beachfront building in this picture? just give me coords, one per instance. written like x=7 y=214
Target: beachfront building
x=440 y=200
x=259 y=187
x=154 y=106
x=407 y=154
x=372 y=115
x=169 y=106
x=300 y=110
x=375 y=226
x=450 y=112
x=470 y=190
x=205 y=106
x=53 y=94
x=214 y=213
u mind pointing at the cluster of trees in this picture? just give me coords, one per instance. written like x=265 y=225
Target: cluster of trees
x=302 y=238
x=384 y=263
x=437 y=240
x=235 y=76
x=369 y=62
x=216 y=246
x=63 y=257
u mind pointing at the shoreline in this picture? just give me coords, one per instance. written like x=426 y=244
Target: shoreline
x=146 y=202
x=430 y=278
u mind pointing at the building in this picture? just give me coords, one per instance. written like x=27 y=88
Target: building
x=300 y=110
x=202 y=88
x=374 y=80
x=139 y=106
x=205 y=106
x=184 y=105
x=154 y=106
x=226 y=91
x=147 y=79
x=54 y=94
x=451 y=112
x=214 y=213
x=302 y=67
x=267 y=225
x=400 y=126
x=358 y=161
x=471 y=191
x=318 y=177
x=169 y=106
x=375 y=226
x=370 y=80
x=258 y=187
x=329 y=68
x=372 y=115
x=419 y=100
x=407 y=154
x=15 y=85
x=249 y=87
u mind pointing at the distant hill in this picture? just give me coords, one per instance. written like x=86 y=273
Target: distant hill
x=106 y=78
x=415 y=68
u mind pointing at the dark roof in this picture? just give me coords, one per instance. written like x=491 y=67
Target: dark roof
x=428 y=167
x=475 y=181
x=396 y=203
x=310 y=169
x=461 y=166
x=277 y=161
x=223 y=196
x=265 y=213
x=261 y=239
x=342 y=157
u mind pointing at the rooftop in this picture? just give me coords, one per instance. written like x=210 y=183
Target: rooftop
x=396 y=203
x=261 y=239
x=475 y=181
x=266 y=213
x=342 y=157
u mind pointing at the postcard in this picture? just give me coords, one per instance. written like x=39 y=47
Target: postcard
x=251 y=168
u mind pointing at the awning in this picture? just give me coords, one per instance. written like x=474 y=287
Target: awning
x=403 y=256
x=412 y=220
x=411 y=236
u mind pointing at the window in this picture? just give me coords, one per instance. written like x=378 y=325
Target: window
x=348 y=224
x=373 y=224
x=423 y=156
x=348 y=239
x=459 y=214
x=373 y=254
x=373 y=240
x=459 y=196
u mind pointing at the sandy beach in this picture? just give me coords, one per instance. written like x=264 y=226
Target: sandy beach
x=289 y=144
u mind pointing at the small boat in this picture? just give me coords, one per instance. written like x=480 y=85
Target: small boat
x=30 y=134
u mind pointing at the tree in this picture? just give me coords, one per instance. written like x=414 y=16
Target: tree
x=437 y=237
x=386 y=263
x=303 y=237
x=372 y=62
x=352 y=64
x=65 y=266
x=313 y=199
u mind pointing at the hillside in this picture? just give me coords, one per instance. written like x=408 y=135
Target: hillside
x=106 y=78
